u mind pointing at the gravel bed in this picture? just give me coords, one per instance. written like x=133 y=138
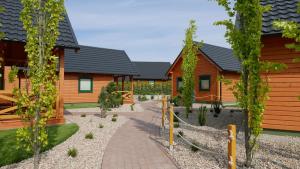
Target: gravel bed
x=90 y=152
x=124 y=108
x=275 y=152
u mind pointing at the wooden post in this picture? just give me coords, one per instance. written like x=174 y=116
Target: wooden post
x=231 y=147
x=163 y=112
x=171 y=141
x=123 y=79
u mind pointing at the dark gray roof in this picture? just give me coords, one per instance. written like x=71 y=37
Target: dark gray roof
x=222 y=57
x=281 y=10
x=152 y=70
x=13 y=27
x=99 y=60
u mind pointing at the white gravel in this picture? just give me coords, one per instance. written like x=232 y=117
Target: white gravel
x=90 y=152
x=275 y=152
x=124 y=108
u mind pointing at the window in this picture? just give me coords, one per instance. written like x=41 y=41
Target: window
x=179 y=84
x=85 y=85
x=204 y=83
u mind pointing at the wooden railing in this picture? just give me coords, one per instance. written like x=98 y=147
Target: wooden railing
x=127 y=97
x=7 y=105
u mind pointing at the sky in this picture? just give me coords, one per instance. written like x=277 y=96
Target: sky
x=148 y=30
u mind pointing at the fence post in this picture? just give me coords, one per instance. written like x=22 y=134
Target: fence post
x=231 y=147
x=171 y=126
x=163 y=112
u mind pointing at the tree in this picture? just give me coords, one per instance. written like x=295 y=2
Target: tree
x=36 y=104
x=251 y=90
x=190 y=59
x=290 y=29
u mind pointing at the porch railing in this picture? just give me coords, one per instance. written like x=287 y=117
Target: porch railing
x=7 y=105
x=127 y=96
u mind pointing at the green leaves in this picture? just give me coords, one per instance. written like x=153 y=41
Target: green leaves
x=190 y=59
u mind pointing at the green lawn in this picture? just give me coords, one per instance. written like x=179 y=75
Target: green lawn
x=10 y=154
x=80 y=105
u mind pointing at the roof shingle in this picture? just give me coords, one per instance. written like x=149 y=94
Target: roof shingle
x=99 y=60
x=281 y=10
x=13 y=27
x=152 y=70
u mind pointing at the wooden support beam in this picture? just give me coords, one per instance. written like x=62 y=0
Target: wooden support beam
x=123 y=79
x=60 y=104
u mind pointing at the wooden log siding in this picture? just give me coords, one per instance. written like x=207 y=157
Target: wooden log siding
x=283 y=106
x=71 y=93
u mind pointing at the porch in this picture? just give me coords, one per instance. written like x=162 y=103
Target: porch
x=128 y=93
x=13 y=54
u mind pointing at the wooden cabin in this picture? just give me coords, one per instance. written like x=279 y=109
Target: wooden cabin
x=283 y=106
x=12 y=53
x=90 y=69
x=213 y=62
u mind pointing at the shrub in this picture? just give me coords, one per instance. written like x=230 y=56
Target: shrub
x=89 y=136
x=109 y=98
x=217 y=107
x=152 y=97
x=177 y=101
x=132 y=107
x=193 y=147
x=114 y=119
x=176 y=125
x=115 y=115
x=83 y=115
x=180 y=133
x=101 y=126
x=175 y=118
x=142 y=98
x=202 y=115
x=72 y=152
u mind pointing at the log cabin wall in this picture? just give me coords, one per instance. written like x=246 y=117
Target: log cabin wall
x=226 y=89
x=204 y=67
x=71 y=92
x=283 y=106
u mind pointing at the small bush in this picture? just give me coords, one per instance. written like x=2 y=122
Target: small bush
x=177 y=101
x=101 y=126
x=83 y=115
x=152 y=97
x=193 y=148
x=180 y=133
x=114 y=119
x=202 y=115
x=132 y=107
x=217 y=107
x=175 y=118
x=176 y=125
x=115 y=115
x=142 y=98
x=72 y=152
x=89 y=136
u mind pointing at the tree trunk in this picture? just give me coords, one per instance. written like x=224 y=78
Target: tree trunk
x=247 y=140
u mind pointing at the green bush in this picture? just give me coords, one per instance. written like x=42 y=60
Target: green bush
x=72 y=152
x=202 y=115
x=115 y=115
x=193 y=147
x=145 y=88
x=177 y=101
x=142 y=98
x=83 y=115
x=114 y=119
x=101 y=126
x=89 y=136
x=176 y=125
x=180 y=133
x=217 y=106
x=109 y=98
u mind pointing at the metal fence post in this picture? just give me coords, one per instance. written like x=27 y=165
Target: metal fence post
x=171 y=139
x=231 y=147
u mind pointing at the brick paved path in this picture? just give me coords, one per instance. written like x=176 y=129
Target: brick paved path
x=132 y=147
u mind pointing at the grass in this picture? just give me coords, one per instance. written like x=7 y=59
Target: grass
x=281 y=133
x=9 y=153
x=72 y=152
x=80 y=105
x=114 y=119
x=89 y=136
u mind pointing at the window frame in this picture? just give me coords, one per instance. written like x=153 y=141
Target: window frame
x=204 y=77
x=92 y=84
x=177 y=83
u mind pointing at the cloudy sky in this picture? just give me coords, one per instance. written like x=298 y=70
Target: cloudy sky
x=148 y=30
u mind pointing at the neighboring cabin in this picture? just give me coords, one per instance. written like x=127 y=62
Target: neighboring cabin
x=213 y=62
x=151 y=72
x=13 y=54
x=283 y=107
x=90 y=69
